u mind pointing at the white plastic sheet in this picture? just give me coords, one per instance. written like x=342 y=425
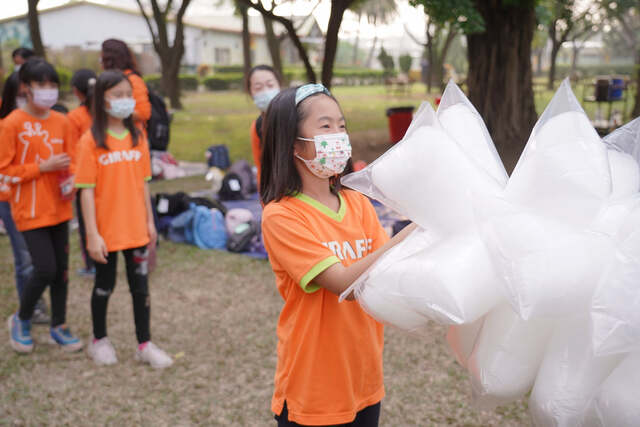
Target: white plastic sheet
x=569 y=377
x=616 y=403
x=506 y=357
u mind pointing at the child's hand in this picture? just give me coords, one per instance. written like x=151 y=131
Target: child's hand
x=55 y=162
x=97 y=248
x=153 y=234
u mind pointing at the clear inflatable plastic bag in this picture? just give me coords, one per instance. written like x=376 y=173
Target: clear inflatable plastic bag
x=462 y=340
x=616 y=403
x=563 y=172
x=506 y=357
x=569 y=377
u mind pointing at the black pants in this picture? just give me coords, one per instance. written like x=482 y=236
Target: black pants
x=88 y=261
x=49 y=250
x=368 y=417
x=105 y=282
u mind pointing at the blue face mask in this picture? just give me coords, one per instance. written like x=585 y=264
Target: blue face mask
x=121 y=108
x=262 y=99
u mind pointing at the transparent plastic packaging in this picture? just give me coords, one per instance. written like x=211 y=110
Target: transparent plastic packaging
x=616 y=403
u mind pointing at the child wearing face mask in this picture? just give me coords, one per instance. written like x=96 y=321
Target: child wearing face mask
x=320 y=238
x=36 y=155
x=113 y=171
x=262 y=84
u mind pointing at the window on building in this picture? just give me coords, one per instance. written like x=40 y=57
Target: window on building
x=223 y=56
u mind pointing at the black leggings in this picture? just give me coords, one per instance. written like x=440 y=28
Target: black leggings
x=368 y=417
x=49 y=250
x=105 y=282
x=89 y=263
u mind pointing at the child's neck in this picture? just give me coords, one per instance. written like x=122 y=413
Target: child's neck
x=35 y=111
x=320 y=190
x=115 y=125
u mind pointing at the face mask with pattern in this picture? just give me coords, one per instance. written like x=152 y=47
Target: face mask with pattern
x=333 y=151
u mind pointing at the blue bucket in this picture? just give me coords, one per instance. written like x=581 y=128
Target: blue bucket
x=616 y=89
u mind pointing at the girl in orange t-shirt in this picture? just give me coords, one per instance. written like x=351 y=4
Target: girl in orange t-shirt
x=113 y=170
x=262 y=84
x=82 y=84
x=320 y=238
x=36 y=153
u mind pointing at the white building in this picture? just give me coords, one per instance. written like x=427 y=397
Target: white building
x=85 y=24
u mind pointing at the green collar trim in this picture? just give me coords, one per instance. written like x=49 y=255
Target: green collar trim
x=338 y=216
x=119 y=136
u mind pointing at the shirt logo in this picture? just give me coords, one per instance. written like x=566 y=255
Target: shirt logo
x=119 y=156
x=346 y=250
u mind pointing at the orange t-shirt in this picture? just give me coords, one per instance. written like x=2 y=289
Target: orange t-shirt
x=81 y=120
x=140 y=94
x=329 y=353
x=118 y=176
x=255 y=148
x=24 y=142
x=5 y=182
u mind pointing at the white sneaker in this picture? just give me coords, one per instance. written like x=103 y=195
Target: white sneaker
x=154 y=356
x=102 y=352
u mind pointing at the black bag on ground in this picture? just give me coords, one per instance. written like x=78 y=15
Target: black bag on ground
x=231 y=187
x=243 y=169
x=241 y=238
x=175 y=204
x=218 y=156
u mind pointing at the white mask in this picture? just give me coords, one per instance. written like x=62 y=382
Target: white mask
x=262 y=99
x=333 y=151
x=121 y=108
x=45 y=98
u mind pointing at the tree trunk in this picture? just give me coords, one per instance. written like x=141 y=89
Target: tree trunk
x=273 y=44
x=555 y=48
x=246 y=39
x=372 y=51
x=354 y=59
x=170 y=80
x=331 y=40
x=539 y=61
x=34 y=29
x=499 y=80
x=575 y=51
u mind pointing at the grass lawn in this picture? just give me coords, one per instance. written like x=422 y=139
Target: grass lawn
x=216 y=313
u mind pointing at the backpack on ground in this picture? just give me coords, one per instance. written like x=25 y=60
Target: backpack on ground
x=243 y=169
x=242 y=230
x=231 y=188
x=218 y=156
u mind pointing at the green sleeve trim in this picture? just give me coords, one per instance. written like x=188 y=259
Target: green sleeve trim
x=147 y=178
x=85 y=185
x=317 y=269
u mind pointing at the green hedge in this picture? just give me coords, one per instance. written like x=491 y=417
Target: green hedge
x=189 y=81
x=224 y=81
x=229 y=69
x=597 y=70
x=65 y=78
x=154 y=81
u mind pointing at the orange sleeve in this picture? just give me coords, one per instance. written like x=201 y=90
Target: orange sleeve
x=255 y=147
x=8 y=150
x=141 y=95
x=293 y=246
x=87 y=165
x=70 y=142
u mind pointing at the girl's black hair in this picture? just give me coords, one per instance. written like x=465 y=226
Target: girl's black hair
x=9 y=94
x=38 y=70
x=279 y=176
x=106 y=81
x=84 y=80
x=247 y=80
x=116 y=55
x=23 y=52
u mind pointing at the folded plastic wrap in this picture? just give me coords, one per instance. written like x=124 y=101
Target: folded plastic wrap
x=617 y=402
x=506 y=356
x=569 y=377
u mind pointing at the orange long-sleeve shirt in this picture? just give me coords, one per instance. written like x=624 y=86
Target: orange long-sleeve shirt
x=25 y=141
x=141 y=96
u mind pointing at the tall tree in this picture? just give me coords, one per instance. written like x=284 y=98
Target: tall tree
x=438 y=39
x=170 y=55
x=623 y=18
x=499 y=36
x=338 y=7
x=291 y=31
x=566 y=22
x=243 y=10
x=377 y=12
x=34 y=29
x=273 y=43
